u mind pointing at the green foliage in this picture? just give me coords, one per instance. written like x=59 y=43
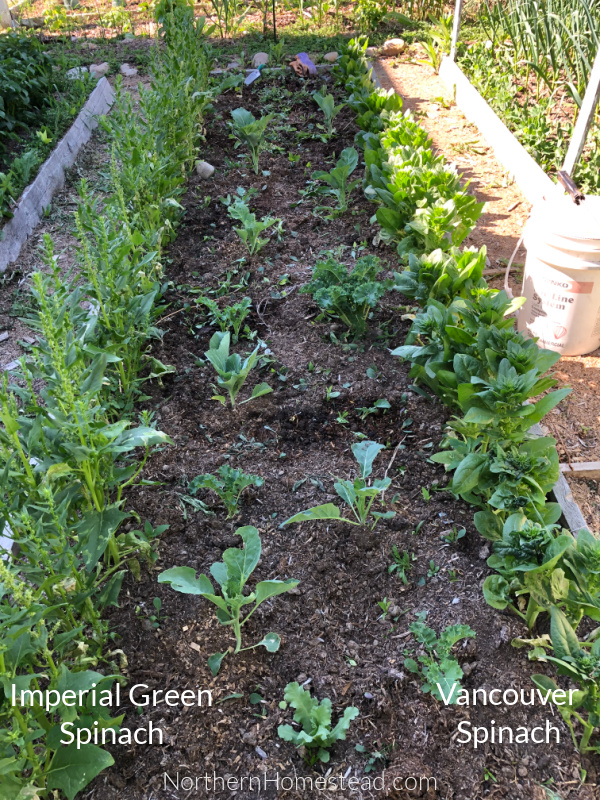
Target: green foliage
x=369 y=14
x=251 y=228
x=441 y=276
x=351 y=296
x=231 y=370
x=338 y=185
x=228 y=486
x=26 y=82
x=439 y=671
x=227 y=317
x=359 y=495
x=579 y=661
x=231 y=575
x=327 y=105
x=69 y=442
x=316 y=736
x=250 y=131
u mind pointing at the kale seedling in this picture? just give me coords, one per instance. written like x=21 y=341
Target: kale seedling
x=250 y=131
x=439 y=671
x=351 y=296
x=228 y=486
x=359 y=495
x=252 y=227
x=316 y=735
x=337 y=179
x=231 y=575
x=227 y=317
x=365 y=411
x=231 y=370
x=327 y=105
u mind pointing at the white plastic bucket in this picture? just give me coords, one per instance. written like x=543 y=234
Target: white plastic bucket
x=561 y=282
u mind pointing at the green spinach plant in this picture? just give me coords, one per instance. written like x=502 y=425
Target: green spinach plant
x=231 y=576
x=316 y=734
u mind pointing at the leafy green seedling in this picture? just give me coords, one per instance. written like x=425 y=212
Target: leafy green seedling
x=433 y=569
x=426 y=494
x=359 y=495
x=228 y=486
x=401 y=564
x=231 y=370
x=365 y=411
x=231 y=575
x=250 y=131
x=337 y=179
x=439 y=671
x=454 y=535
x=252 y=227
x=374 y=756
x=228 y=317
x=350 y=296
x=385 y=606
x=330 y=394
x=327 y=105
x=316 y=735
x=342 y=418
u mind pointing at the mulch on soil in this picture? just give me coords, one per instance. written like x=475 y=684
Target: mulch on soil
x=330 y=626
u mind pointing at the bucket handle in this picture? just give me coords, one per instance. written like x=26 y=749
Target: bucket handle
x=507 y=288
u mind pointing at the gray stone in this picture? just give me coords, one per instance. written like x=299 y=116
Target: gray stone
x=371 y=51
x=33 y=22
x=99 y=70
x=331 y=57
x=393 y=47
x=260 y=58
x=233 y=65
x=76 y=73
x=128 y=71
x=204 y=169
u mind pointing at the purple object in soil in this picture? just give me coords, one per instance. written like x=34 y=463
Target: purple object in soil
x=305 y=61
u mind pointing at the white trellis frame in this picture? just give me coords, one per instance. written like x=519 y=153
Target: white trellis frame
x=588 y=106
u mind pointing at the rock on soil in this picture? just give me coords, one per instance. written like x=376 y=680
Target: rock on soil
x=260 y=58
x=128 y=71
x=392 y=47
x=204 y=169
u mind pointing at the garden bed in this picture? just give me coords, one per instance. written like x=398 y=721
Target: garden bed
x=330 y=626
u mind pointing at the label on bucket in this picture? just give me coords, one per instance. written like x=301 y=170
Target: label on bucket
x=560 y=310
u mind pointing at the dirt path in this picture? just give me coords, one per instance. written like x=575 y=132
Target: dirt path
x=575 y=423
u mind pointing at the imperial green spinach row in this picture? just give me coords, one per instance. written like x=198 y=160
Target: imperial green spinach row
x=70 y=442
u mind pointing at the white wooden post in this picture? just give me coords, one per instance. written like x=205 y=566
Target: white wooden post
x=585 y=119
x=456 y=28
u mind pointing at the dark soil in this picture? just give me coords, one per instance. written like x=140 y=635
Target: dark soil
x=331 y=627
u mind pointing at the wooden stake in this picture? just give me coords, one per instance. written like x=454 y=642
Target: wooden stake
x=584 y=120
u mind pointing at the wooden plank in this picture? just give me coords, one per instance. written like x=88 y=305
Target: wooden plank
x=51 y=176
x=456 y=29
x=584 y=119
x=571 y=511
x=583 y=470
x=529 y=176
